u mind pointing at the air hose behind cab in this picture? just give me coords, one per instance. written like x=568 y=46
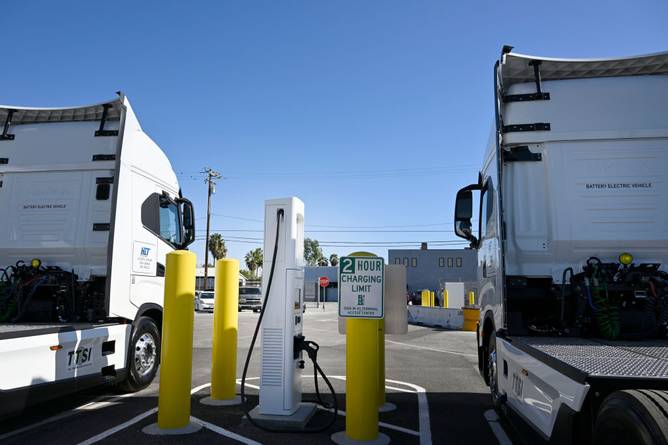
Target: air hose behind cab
x=310 y=347
x=606 y=311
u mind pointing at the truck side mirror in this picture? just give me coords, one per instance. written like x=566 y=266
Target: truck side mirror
x=464 y=213
x=188 y=222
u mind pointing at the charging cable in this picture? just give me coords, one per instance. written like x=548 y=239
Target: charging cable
x=301 y=344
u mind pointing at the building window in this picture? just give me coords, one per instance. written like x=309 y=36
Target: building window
x=459 y=262
x=397 y=261
x=441 y=262
x=406 y=261
x=450 y=262
x=414 y=262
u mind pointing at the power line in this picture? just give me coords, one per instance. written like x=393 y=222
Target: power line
x=416 y=245
x=353 y=243
x=377 y=227
x=337 y=226
x=364 y=173
x=360 y=174
x=247 y=238
x=240 y=218
x=340 y=231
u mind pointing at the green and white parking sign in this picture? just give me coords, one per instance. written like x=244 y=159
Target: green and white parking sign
x=361 y=287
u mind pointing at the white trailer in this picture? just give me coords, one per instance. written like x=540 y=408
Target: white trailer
x=89 y=207
x=572 y=336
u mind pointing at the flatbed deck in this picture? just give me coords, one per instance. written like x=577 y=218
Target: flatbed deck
x=19 y=330
x=585 y=359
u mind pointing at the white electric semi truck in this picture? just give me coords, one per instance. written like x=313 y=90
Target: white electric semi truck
x=572 y=243
x=89 y=207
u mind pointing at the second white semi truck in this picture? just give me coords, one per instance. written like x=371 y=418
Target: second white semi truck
x=572 y=243
x=89 y=208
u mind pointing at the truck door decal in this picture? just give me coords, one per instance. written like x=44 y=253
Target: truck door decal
x=79 y=358
x=144 y=258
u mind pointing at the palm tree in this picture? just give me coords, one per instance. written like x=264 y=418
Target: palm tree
x=322 y=261
x=217 y=246
x=254 y=260
x=334 y=259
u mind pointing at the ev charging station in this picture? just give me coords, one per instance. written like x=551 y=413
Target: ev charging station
x=281 y=363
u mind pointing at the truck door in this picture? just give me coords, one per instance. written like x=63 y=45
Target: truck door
x=488 y=252
x=157 y=234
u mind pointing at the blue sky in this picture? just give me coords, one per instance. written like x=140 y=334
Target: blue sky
x=373 y=112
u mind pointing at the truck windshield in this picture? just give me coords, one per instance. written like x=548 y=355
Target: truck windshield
x=206 y=295
x=250 y=291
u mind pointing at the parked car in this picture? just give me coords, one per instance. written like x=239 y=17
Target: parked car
x=250 y=297
x=204 y=301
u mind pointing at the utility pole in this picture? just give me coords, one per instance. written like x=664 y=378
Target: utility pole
x=211 y=176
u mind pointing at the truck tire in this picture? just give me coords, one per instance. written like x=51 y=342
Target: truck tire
x=638 y=417
x=143 y=355
x=491 y=369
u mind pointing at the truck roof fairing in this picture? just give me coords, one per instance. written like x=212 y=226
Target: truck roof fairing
x=32 y=115
x=517 y=68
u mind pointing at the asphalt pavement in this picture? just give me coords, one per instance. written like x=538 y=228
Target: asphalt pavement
x=431 y=376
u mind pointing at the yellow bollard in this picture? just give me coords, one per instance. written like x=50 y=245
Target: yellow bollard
x=225 y=328
x=177 y=346
x=471 y=318
x=362 y=366
x=471 y=298
x=445 y=299
x=432 y=301
x=425 y=297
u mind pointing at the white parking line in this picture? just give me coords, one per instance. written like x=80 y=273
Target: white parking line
x=493 y=421
x=389 y=426
x=248 y=385
x=423 y=407
x=106 y=433
x=224 y=432
x=423 y=410
x=444 y=351
x=97 y=403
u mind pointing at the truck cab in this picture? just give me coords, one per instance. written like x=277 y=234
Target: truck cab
x=572 y=244
x=91 y=206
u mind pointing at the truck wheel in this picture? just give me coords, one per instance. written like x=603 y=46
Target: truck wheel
x=143 y=355
x=491 y=369
x=633 y=417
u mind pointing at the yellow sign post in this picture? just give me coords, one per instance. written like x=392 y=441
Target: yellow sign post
x=363 y=351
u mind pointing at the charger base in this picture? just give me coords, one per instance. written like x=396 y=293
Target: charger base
x=296 y=421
